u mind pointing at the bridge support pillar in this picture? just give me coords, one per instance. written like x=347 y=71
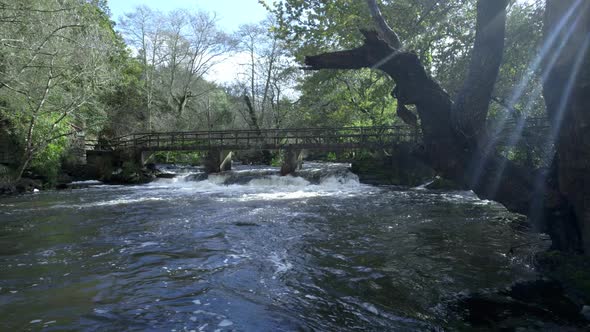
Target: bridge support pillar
x=142 y=157
x=217 y=161
x=292 y=160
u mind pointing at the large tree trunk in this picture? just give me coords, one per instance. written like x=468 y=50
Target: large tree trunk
x=567 y=95
x=454 y=139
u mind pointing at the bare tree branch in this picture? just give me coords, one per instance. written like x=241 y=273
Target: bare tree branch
x=22 y=92
x=4 y=6
x=385 y=31
x=45 y=41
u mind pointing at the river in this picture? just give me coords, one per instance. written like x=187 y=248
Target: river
x=250 y=251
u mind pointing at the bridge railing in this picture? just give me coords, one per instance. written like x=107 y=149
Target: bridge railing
x=267 y=138
x=312 y=138
x=531 y=133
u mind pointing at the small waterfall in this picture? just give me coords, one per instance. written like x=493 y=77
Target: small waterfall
x=326 y=176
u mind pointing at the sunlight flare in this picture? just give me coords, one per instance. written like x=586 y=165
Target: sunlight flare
x=481 y=160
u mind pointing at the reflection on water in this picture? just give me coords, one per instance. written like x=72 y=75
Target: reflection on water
x=248 y=251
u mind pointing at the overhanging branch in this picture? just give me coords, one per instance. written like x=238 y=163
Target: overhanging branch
x=385 y=31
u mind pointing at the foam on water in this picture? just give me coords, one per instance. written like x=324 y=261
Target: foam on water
x=279 y=181
x=118 y=201
x=274 y=196
x=280 y=262
x=265 y=184
x=424 y=186
x=349 y=180
x=86 y=182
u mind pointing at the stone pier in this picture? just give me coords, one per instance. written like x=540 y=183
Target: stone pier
x=142 y=157
x=217 y=161
x=292 y=160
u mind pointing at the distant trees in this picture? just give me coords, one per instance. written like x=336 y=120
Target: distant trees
x=176 y=51
x=266 y=79
x=64 y=69
x=142 y=31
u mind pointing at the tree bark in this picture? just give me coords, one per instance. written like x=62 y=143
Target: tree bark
x=470 y=111
x=567 y=95
x=386 y=32
x=26 y=159
x=253 y=118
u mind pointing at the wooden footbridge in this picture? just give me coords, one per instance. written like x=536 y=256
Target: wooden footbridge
x=265 y=139
x=219 y=144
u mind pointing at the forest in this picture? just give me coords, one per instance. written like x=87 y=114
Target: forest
x=496 y=89
x=68 y=67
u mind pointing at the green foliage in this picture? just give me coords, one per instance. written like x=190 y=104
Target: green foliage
x=441 y=33
x=518 y=91
x=277 y=160
x=178 y=157
x=124 y=103
x=310 y=26
x=47 y=163
x=6 y=174
x=57 y=60
x=331 y=156
x=338 y=98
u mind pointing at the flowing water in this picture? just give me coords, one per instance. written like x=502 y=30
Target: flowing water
x=249 y=251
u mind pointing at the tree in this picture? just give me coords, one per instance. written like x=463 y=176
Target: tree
x=439 y=31
x=55 y=57
x=176 y=50
x=266 y=76
x=124 y=104
x=194 y=45
x=567 y=90
x=142 y=30
x=456 y=141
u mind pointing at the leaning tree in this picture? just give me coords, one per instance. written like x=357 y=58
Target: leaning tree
x=456 y=141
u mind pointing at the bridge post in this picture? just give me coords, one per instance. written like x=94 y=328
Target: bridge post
x=217 y=161
x=292 y=160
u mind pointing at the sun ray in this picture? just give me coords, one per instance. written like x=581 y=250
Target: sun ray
x=480 y=161
x=557 y=120
x=516 y=134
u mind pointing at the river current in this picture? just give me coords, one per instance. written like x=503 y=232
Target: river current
x=250 y=251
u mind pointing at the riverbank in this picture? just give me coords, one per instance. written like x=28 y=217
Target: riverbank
x=72 y=178
x=23 y=185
